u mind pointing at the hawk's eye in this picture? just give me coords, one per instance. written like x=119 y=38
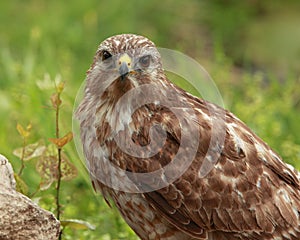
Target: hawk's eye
x=105 y=55
x=145 y=61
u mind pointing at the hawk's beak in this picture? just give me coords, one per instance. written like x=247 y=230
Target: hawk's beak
x=124 y=64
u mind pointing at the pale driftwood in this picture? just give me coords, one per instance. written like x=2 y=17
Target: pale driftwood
x=20 y=218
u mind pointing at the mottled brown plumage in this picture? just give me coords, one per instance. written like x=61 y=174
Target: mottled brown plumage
x=246 y=191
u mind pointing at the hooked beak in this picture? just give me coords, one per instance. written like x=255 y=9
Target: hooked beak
x=124 y=63
x=123 y=70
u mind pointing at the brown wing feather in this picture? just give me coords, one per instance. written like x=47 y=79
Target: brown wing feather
x=250 y=190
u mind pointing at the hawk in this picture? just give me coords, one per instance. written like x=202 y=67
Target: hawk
x=177 y=166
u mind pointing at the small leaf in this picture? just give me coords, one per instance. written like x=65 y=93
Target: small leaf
x=29 y=127
x=60 y=87
x=47 y=167
x=105 y=237
x=68 y=169
x=77 y=224
x=36 y=200
x=55 y=100
x=22 y=131
x=31 y=151
x=51 y=150
x=60 y=142
x=21 y=185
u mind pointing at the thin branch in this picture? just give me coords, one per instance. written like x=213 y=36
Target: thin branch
x=58 y=210
x=22 y=157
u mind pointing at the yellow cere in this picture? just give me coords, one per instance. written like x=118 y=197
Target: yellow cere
x=125 y=58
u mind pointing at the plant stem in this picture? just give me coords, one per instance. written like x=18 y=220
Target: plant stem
x=58 y=189
x=58 y=184
x=58 y=165
x=22 y=157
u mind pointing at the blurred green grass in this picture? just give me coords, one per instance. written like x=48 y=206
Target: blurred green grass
x=251 y=49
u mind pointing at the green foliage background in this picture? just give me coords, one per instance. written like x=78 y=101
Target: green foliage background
x=251 y=49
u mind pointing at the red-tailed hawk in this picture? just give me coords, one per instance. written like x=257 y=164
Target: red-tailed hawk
x=176 y=166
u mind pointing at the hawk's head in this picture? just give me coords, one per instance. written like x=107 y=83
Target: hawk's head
x=123 y=62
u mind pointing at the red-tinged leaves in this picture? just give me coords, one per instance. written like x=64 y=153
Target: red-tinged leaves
x=55 y=100
x=47 y=167
x=24 y=133
x=60 y=142
x=30 y=151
